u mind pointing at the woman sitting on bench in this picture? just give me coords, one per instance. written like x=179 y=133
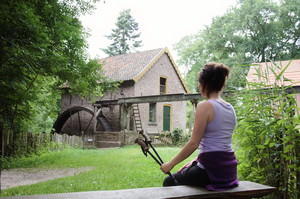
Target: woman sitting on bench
x=216 y=166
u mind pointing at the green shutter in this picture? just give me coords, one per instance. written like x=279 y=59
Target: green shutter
x=167 y=117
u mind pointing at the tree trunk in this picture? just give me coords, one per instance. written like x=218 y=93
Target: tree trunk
x=263 y=56
x=2 y=139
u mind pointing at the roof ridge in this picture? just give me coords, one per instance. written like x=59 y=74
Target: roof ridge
x=133 y=53
x=291 y=60
x=128 y=66
x=149 y=65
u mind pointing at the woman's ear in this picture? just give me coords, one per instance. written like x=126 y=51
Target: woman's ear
x=199 y=87
x=201 y=90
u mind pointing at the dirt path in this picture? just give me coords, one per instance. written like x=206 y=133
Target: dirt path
x=18 y=177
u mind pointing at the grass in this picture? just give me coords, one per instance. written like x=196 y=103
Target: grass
x=114 y=169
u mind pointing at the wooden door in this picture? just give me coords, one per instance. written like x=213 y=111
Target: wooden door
x=167 y=118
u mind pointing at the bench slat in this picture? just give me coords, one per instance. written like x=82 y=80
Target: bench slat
x=244 y=190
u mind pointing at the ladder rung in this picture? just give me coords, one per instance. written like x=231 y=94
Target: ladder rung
x=137 y=117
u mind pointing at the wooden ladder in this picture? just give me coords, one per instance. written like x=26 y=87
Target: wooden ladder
x=137 y=117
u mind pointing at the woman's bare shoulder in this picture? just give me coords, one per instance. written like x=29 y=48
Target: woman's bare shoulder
x=204 y=105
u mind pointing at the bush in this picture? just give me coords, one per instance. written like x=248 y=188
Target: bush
x=178 y=137
x=267 y=136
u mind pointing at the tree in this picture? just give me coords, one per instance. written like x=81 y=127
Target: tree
x=42 y=47
x=253 y=31
x=125 y=36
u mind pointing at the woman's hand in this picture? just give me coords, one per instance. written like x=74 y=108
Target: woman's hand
x=166 y=167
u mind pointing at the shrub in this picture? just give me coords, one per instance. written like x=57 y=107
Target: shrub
x=267 y=135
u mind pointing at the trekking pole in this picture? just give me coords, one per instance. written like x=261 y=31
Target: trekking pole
x=145 y=149
x=148 y=141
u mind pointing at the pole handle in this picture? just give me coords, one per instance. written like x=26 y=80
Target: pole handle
x=145 y=135
x=143 y=145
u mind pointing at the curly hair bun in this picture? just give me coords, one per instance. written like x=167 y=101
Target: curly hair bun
x=219 y=68
x=213 y=77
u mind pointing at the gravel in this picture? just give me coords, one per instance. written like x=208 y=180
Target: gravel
x=19 y=177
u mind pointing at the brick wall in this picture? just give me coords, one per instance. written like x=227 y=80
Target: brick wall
x=149 y=84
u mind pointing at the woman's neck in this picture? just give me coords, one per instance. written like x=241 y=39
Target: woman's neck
x=215 y=95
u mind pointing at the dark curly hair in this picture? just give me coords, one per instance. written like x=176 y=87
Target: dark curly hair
x=212 y=77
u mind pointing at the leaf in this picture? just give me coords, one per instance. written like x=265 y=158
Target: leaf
x=283 y=70
x=271 y=145
x=288 y=148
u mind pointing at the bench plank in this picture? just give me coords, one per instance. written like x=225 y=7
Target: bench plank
x=244 y=190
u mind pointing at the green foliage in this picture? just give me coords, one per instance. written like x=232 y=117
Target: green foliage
x=43 y=47
x=267 y=138
x=252 y=31
x=124 y=36
x=175 y=138
x=113 y=169
x=46 y=153
x=16 y=145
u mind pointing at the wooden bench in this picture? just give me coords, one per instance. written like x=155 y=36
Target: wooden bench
x=244 y=190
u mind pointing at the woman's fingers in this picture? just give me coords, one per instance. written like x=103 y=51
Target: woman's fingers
x=166 y=167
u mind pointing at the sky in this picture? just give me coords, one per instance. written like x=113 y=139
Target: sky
x=162 y=23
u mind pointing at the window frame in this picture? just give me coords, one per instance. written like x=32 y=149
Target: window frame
x=165 y=86
x=152 y=112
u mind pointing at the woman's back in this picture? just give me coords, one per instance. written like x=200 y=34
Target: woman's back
x=218 y=134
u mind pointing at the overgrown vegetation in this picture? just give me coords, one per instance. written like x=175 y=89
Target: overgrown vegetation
x=267 y=138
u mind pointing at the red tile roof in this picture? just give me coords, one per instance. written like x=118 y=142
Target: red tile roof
x=133 y=66
x=265 y=69
x=127 y=66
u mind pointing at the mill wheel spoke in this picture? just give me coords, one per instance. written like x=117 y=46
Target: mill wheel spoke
x=79 y=122
x=89 y=124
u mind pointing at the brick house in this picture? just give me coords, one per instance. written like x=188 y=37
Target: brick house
x=147 y=73
x=292 y=73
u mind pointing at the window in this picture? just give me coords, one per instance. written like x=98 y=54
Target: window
x=163 y=85
x=152 y=112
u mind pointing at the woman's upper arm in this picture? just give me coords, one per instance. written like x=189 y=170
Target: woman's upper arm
x=203 y=113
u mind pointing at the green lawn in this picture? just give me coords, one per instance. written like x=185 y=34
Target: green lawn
x=122 y=168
